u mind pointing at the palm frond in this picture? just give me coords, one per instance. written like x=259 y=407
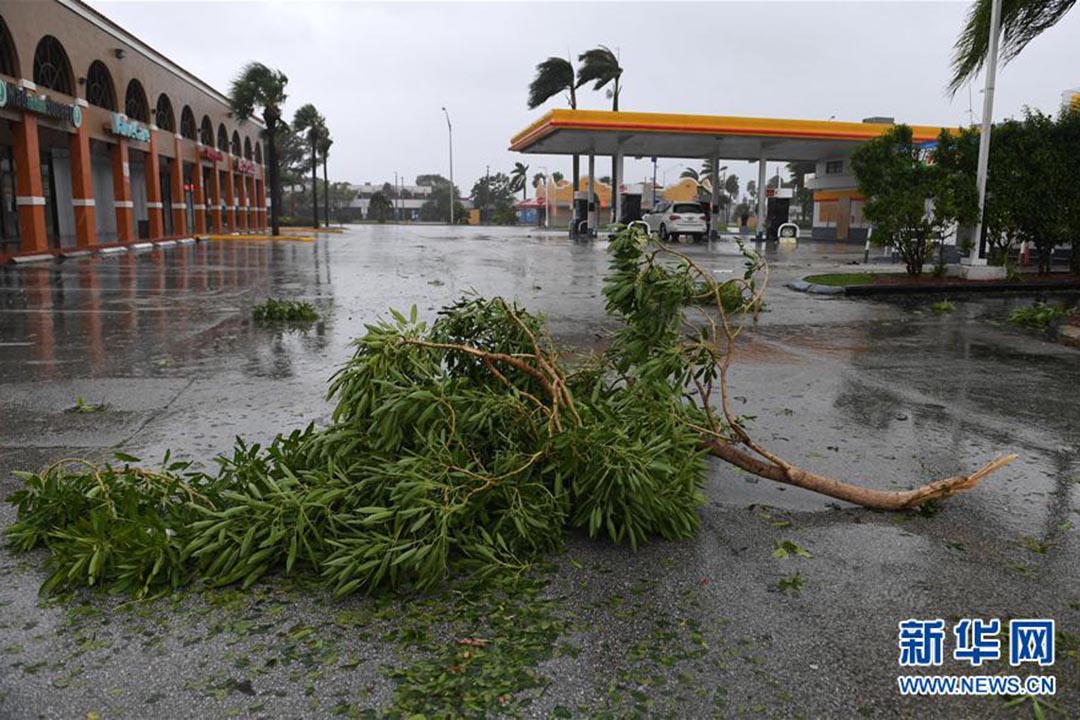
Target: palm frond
x=598 y=66
x=256 y=86
x=553 y=76
x=1021 y=22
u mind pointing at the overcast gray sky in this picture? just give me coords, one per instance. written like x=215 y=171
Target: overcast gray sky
x=381 y=72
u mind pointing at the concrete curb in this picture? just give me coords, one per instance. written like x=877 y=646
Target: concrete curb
x=899 y=289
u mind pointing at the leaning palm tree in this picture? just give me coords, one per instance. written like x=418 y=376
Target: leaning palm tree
x=1021 y=22
x=600 y=66
x=731 y=185
x=553 y=76
x=519 y=179
x=309 y=123
x=257 y=86
x=325 y=141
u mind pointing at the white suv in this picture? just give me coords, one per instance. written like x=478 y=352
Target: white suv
x=672 y=219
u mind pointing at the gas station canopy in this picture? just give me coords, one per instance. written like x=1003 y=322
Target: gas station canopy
x=599 y=132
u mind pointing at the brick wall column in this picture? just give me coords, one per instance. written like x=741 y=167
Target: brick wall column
x=230 y=193
x=125 y=207
x=200 y=195
x=82 y=189
x=176 y=181
x=260 y=198
x=253 y=215
x=29 y=191
x=153 y=189
x=215 y=184
x=242 y=202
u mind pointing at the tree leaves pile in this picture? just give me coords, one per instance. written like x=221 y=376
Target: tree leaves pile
x=464 y=445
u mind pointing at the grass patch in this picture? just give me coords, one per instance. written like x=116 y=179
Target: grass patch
x=841 y=279
x=943 y=307
x=1038 y=316
x=274 y=310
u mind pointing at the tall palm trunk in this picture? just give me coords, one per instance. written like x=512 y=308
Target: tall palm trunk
x=275 y=191
x=314 y=181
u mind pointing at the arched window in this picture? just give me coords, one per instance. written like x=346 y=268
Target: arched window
x=235 y=149
x=206 y=132
x=163 y=115
x=136 y=106
x=222 y=138
x=187 y=123
x=100 y=90
x=247 y=148
x=52 y=69
x=9 y=59
x=258 y=152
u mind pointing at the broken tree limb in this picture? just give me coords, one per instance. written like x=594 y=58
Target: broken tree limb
x=848 y=492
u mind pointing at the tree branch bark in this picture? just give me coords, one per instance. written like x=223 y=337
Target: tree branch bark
x=857 y=494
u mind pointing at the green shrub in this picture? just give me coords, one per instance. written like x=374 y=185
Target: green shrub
x=1038 y=316
x=274 y=310
x=943 y=307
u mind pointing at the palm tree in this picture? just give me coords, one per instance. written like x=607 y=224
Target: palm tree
x=731 y=185
x=601 y=67
x=1021 y=22
x=690 y=173
x=518 y=177
x=307 y=121
x=558 y=177
x=553 y=76
x=325 y=141
x=257 y=86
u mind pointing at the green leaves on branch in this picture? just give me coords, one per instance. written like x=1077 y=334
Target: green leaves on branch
x=274 y=310
x=460 y=446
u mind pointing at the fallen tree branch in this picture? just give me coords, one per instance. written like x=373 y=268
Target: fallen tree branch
x=848 y=492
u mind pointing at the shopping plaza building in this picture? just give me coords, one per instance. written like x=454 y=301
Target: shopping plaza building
x=104 y=141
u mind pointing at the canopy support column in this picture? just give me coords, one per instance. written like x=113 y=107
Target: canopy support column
x=714 y=210
x=760 y=231
x=592 y=211
x=616 y=181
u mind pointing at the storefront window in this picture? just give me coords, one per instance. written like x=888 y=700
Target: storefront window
x=9 y=216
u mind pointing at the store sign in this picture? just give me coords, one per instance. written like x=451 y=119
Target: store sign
x=130 y=129
x=212 y=155
x=244 y=167
x=11 y=95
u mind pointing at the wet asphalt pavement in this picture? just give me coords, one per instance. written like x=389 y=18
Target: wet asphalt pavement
x=883 y=392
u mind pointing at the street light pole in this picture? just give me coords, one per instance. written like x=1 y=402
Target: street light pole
x=450 y=131
x=987 y=124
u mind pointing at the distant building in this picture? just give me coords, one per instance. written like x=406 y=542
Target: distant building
x=1070 y=99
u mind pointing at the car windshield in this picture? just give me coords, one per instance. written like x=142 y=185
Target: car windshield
x=687 y=208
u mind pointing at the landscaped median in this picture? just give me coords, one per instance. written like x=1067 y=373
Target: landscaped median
x=895 y=283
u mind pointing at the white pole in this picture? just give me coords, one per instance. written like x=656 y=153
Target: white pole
x=987 y=124
x=450 y=131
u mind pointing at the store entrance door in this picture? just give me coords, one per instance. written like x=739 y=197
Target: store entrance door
x=48 y=189
x=166 y=198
